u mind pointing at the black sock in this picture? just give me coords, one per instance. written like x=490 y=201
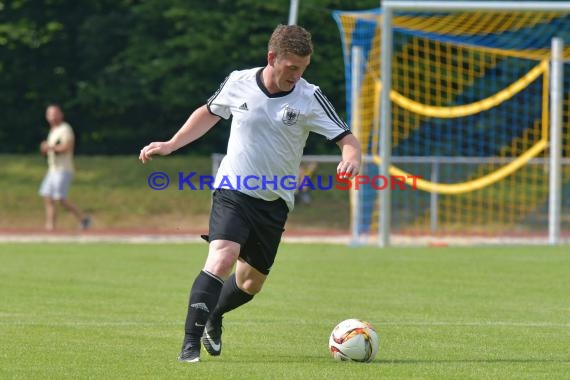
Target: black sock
x=230 y=298
x=203 y=298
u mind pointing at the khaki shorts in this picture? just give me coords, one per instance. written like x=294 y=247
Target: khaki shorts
x=56 y=184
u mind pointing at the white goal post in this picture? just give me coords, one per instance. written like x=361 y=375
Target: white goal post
x=388 y=9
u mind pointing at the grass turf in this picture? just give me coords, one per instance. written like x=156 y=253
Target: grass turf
x=117 y=311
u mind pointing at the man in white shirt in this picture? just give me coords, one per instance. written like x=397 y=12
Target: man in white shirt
x=59 y=151
x=273 y=109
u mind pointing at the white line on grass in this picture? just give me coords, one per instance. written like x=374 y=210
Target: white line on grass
x=384 y=323
x=480 y=324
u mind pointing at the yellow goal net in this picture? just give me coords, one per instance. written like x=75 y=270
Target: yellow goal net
x=470 y=116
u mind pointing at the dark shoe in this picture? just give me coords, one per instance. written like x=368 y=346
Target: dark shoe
x=85 y=223
x=212 y=338
x=189 y=353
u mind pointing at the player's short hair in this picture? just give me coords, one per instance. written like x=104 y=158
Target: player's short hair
x=291 y=39
x=55 y=105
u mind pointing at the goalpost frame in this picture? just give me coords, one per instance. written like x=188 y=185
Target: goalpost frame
x=555 y=172
x=388 y=8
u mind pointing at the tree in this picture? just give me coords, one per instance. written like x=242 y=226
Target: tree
x=129 y=71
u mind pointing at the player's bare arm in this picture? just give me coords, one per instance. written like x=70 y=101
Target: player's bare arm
x=351 y=155
x=63 y=147
x=199 y=122
x=59 y=148
x=44 y=147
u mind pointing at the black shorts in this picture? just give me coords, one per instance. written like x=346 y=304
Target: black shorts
x=255 y=224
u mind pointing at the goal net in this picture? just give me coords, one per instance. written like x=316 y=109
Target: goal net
x=469 y=115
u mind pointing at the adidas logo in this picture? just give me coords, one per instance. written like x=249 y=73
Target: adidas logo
x=243 y=107
x=201 y=306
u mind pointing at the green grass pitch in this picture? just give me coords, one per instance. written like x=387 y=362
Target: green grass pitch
x=116 y=311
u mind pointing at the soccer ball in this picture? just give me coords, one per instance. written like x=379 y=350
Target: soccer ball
x=353 y=340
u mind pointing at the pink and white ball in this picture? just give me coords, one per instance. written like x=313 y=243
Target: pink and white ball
x=354 y=340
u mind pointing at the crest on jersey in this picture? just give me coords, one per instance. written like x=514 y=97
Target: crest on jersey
x=290 y=116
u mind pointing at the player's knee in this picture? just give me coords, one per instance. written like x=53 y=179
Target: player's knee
x=221 y=265
x=251 y=286
x=249 y=282
x=222 y=258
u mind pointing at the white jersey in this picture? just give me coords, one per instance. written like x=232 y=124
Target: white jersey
x=60 y=135
x=268 y=133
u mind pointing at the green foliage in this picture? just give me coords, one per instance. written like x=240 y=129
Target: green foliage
x=128 y=72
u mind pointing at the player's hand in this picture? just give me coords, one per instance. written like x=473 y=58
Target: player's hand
x=160 y=148
x=347 y=169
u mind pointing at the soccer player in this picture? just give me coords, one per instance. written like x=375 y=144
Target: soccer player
x=58 y=147
x=273 y=109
